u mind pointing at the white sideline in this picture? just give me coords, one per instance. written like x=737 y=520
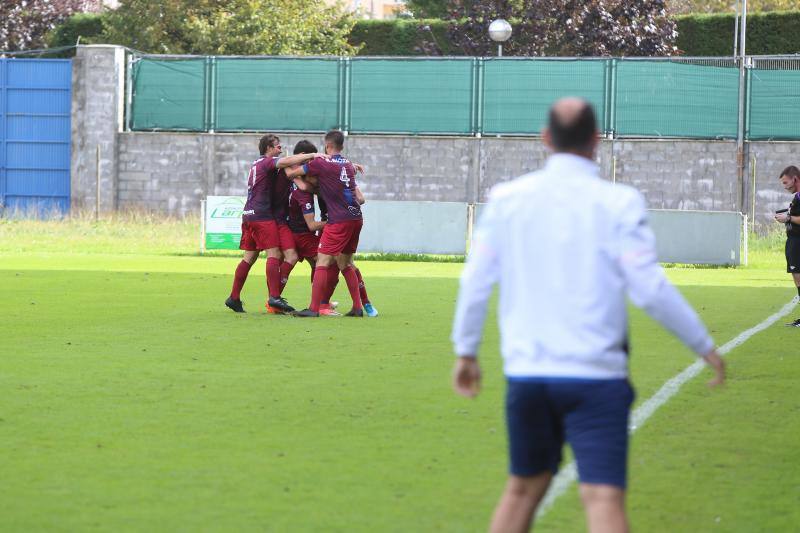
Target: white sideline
x=567 y=475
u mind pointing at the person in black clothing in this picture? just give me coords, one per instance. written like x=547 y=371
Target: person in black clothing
x=790 y=179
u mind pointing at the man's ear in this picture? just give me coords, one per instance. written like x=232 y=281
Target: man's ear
x=547 y=137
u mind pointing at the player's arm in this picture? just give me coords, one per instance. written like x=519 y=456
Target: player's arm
x=296 y=159
x=360 y=197
x=313 y=225
x=478 y=278
x=649 y=289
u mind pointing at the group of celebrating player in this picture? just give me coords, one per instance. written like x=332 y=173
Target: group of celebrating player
x=279 y=218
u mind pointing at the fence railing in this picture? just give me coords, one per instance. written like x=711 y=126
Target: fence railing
x=633 y=97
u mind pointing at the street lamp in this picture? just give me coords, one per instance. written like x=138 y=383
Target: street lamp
x=499 y=32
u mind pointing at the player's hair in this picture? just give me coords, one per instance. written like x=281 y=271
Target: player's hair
x=791 y=171
x=336 y=138
x=575 y=134
x=305 y=147
x=266 y=142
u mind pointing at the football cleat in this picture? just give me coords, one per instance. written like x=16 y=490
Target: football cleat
x=370 y=310
x=280 y=304
x=305 y=313
x=355 y=312
x=234 y=305
x=795 y=324
x=327 y=311
x=272 y=310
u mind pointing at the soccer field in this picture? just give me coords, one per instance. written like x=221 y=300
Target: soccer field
x=132 y=399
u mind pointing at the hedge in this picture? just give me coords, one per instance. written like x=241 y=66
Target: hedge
x=400 y=37
x=87 y=26
x=712 y=35
x=698 y=35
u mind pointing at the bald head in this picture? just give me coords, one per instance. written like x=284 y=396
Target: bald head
x=572 y=126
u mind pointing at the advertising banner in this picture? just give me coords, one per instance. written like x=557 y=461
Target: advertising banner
x=223 y=222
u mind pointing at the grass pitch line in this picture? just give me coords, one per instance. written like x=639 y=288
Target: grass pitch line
x=567 y=475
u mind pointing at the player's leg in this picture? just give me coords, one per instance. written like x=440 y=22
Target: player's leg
x=520 y=498
x=290 y=255
x=326 y=307
x=369 y=309
x=596 y=425
x=248 y=244
x=605 y=508
x=793 y=267
x=535 y=440
x=318 y=285
x=344 y=261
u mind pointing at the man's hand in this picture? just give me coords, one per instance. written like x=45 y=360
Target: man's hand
x=467 y=376
x=783 y=218
x=715 y=361
x=359 y=168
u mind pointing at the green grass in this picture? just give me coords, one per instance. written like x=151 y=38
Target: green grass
x=133 y=400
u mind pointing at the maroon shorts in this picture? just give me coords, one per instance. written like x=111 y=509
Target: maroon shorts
x=285 y=238
x=306 y=245
x=340 y=237
x=259 y=235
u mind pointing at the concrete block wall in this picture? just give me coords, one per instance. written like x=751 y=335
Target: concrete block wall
x=171 y=172
x=680 y=174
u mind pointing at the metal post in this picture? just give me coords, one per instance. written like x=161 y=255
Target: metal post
x=754 y=162
x=736 y=32
x=740 y=156
x=202 y=227
x=499 y=50
x=97 y=184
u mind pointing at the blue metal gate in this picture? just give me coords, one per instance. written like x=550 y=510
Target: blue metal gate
x=35 y=101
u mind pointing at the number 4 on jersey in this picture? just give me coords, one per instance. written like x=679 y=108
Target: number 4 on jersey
x=343 y=177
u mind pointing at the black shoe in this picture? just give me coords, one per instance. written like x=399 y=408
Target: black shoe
x=234 y=305
x=280 y=304
x=795 y=324
x=305 y=313
x=355 y=312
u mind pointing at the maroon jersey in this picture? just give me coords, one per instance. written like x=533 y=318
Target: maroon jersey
x=280 y=196
x=300 y=203
x=337 y=186
x=259 y=190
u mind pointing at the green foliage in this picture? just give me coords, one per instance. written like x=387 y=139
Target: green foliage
x=713 y=35
x=237 y=27
x=402 y=37
x=247 y=27
x=427 y=9
x=89 y=27
x=728 y=6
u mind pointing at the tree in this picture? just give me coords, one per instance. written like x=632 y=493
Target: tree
x=231 y=27
x=680 y=7
x=565 y=27
x=25 y=23
x=427 y=9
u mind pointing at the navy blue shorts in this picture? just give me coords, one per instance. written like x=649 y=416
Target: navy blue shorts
x=591 y=415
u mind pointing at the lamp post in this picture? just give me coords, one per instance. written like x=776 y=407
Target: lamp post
x=499 y=32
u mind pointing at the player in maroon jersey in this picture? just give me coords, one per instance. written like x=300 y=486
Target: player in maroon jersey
x=339 y=241
x=259 y=228
x=288 y=251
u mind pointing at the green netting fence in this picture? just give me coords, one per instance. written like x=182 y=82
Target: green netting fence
x=774 y=91
x=681 y=98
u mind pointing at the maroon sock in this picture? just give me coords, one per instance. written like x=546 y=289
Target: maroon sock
x=362 y=290
x=286 y=269
x=332 y=275
x=273 y=277
x=318 y=288
x=239 y=278
x=349 y=275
